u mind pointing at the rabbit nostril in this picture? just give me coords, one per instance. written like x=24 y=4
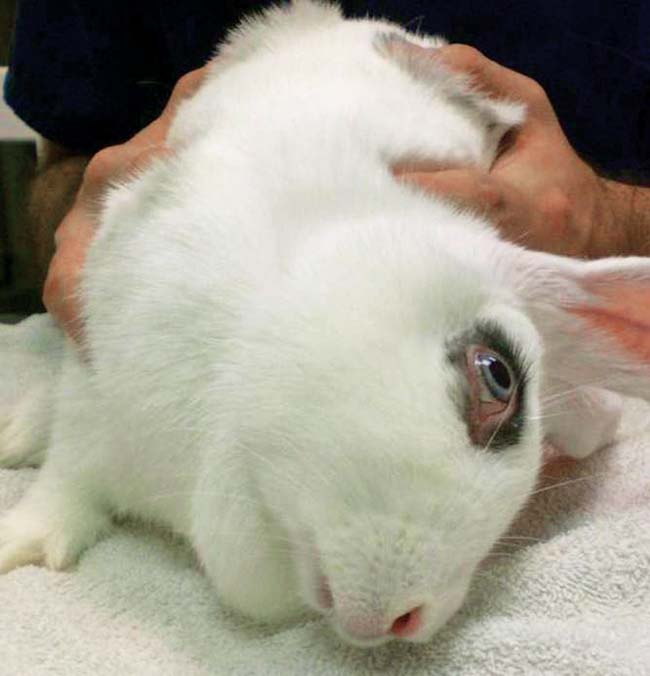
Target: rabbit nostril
x=406 y=624
x=324 y=593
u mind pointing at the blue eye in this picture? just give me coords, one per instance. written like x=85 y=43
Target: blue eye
x=496 y=375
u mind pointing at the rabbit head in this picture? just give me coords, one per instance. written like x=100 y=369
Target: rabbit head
x=386 y=407
x=385 y=411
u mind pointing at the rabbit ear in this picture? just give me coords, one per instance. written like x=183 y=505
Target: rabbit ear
x=416 y=55
x=593 y=316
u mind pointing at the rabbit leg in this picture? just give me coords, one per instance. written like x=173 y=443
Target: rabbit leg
x=579 y=421
x=65 y=510
x=53 y=523
x=25 y=428
x=31 y=354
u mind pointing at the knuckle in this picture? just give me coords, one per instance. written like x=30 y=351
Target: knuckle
x=52 y=290
x=464 y=57
x=185 y=85
x=555 y=208
x=535 y=93
x=61 y=233
x=490 y=196
x=102 y=165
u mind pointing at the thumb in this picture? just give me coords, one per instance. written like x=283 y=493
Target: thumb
x=468 y=187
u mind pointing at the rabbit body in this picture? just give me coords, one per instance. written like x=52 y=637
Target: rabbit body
x=268 y=313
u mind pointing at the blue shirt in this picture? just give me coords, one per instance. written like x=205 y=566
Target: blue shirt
x=91 y=73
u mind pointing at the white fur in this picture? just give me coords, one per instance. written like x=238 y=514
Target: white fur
x=267 y=318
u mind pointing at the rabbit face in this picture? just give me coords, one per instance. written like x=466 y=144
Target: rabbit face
x=396 y=430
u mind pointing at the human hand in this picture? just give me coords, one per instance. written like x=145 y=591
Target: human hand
x=76 y=230
x=538 y=193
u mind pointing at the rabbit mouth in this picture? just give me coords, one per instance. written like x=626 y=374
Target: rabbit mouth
x=415 y=620
x=362 y=631
x=318 y=592
x=321 y=598
x=324 y=596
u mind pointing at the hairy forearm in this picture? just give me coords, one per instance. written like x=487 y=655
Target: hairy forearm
x=628 y=233
x=52 y=193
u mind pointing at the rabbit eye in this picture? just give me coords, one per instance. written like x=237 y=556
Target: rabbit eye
x=496 y=375
x=493 y=397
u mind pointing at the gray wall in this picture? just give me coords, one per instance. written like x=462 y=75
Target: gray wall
x=19 y=286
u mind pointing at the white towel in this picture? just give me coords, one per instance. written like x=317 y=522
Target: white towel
x=573 y=599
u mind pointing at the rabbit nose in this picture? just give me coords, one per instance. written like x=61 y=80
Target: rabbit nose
x=374 y=627
x=407 y=624
x=365 y=627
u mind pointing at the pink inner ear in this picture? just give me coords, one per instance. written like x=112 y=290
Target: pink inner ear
x=623 y=314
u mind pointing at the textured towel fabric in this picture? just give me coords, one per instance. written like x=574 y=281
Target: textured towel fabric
x=567 y=593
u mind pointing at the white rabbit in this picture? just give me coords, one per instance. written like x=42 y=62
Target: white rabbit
x=330 y=383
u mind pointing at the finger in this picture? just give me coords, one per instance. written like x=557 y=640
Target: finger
x=469 y=187
x=106 y=166
x=184 y=89
x=188 y=84
x=155 y=133
x=109 y=163
x=497 y=80
x=60 y=297
x=112 y=164
x=59 y=293
x=138 y=161
x=503 y=205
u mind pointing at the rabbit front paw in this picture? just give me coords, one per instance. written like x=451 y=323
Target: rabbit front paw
x=584 y=420
x=24 y=429
x=48 y=532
